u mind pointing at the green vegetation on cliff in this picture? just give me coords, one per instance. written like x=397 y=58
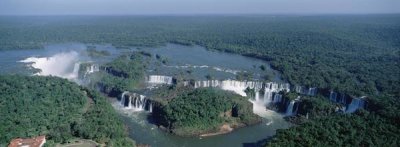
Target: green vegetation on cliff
x=92 y=52
x=57 y=108
x=205 y=110
x=320 y=125
x=124 y=73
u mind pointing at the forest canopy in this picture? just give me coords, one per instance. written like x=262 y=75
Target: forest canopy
x=57 y=108
x=205 y=110
x=354 y=54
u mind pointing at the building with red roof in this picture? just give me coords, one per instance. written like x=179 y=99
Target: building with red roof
x=30 y=142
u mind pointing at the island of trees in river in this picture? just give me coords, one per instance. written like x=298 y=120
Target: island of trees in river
x=358 y=55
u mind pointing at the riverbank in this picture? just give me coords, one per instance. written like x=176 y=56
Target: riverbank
x=226 y=128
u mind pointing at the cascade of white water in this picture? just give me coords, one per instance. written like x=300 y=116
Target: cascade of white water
x=355 y=104
x=312 y=91
x=298 y=89
x=142 y=102
x=239 y=87
x=257 y=95
x=186 y=83
x=332 y=96
x=151 y=107
x=75 y=72
x=158 y=79
x=267 y=97
x=135 y=101
x=59 y=65
x=277 y=98
x=130 y=102
x=231 y=85
x=289 y=109
x=92 y=68
x=271 y=94
x=123 y=98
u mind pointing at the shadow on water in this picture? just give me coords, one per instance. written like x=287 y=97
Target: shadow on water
x=260 y=143
x=150 y=119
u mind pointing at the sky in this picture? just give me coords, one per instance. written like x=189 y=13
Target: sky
x=157 y=7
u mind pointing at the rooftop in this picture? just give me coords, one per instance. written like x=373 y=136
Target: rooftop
x=30 y=142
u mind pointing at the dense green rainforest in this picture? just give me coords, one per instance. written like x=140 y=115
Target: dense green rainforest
x=62 y=110
x=199 y=111
x=354 y=54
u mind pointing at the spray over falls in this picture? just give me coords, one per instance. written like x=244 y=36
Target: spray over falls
x=238 y=87
x=64 y=64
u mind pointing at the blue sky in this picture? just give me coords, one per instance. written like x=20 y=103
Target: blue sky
x=154 y=7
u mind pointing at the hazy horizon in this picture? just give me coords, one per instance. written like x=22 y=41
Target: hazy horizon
x=196 y=7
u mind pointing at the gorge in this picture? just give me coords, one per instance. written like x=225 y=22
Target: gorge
x=136 y=107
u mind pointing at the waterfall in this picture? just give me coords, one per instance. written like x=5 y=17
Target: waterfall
x=271 y=89
x=289 y=109
x=355 y=104
x=257 y=96
x=312 y=91
x=91 y=69
x=277 y=98
x=151 y=107
x=338 y=98
x=208 y=83
x=186 y=83
x=135 y=101
x=158 y=79
x=123 y=98
x=64 y=64
x=231 y=85
x=271 y=94
x=75 y=71
x=267 y=97
x=332 y=96
x=239 y=86
x=341 y=98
